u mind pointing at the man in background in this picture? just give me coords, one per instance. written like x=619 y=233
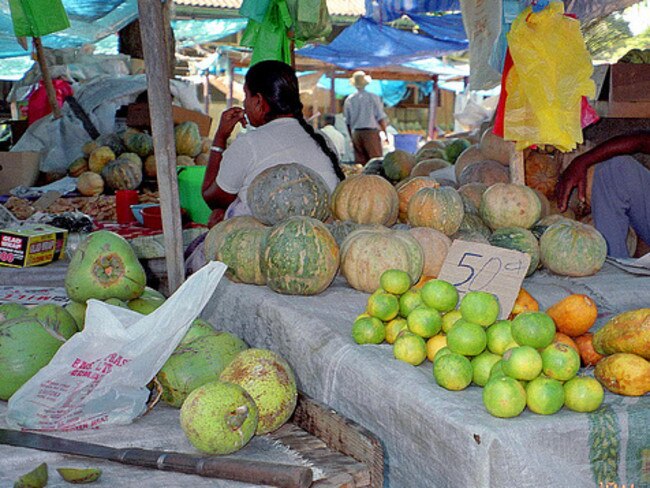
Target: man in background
x=338 y=139
x=365 y=118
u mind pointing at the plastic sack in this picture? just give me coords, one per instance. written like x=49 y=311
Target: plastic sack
x=551 y=73
x=38 y=105
x=99 y=375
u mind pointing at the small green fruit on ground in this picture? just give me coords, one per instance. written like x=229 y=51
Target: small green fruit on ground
x=410 y=348
x=504 y=397
x=467 y=338
x=453 y=371
x=560 y=361
x=583 y=394
x=439 y=294
x=425 y=322
x=480 y=308
x=409 y=301
x=499 y=337
x=368 y=330
x=383 y=306
x=395 y=281
x=482 y=367
x=534 y=329
x=522 y=363
x=544 y=396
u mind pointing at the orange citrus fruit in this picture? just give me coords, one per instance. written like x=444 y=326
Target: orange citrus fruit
x=434 y=344
x=383 y=306
x=453 y=372
x=522 y=363
x=583 y=394
x=504 y=397
x=395 y=281
x=467 y=338
x=439 y=294
x=410 y=348
x=368 y=330
x=544 y=396
x=534 y=329
x=574 y=315
x=480 y=308
x=425 y=322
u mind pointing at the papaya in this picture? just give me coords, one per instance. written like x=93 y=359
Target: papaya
x=624 y=374
x=627 y=332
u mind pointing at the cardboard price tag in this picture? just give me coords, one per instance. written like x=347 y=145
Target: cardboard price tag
x=471 y=266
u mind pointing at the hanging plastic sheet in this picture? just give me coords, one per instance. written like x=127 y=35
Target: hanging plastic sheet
x=551 y=72
x=312 y=20
x=269 y=38
x=35 y=18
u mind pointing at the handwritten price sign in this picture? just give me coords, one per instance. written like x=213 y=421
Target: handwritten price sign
x=471 y=266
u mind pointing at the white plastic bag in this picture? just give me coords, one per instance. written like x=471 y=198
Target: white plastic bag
x=99 y=375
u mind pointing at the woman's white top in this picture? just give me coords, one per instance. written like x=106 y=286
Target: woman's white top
x=280 y=141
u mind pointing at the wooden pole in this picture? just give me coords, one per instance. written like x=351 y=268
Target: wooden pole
x=47 y=79
x=517 y=170
x=332 y=94
x=206 y=92
x=156 y=63
x=433 y=104
x=231 y=84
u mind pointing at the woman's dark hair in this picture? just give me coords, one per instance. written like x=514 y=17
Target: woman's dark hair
x=277 y=83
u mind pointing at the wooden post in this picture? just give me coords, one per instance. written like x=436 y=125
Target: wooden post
x=206 y=92
x=332 y=93
x=47 y=79
x=156 y=64
x=517 y=170
x=231 y=84
x=433 y=104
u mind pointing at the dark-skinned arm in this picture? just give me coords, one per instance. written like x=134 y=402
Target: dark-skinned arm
x=214 y=196
x=575 y=175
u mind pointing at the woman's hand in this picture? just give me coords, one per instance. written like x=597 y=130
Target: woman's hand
x=227 y=123
x=575 y=175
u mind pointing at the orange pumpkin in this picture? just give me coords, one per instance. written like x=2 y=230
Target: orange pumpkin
x=440 y=208
x=407 y=188
x=435 y=246
x=574 y=315
x=365 y=199
x=524 y=303
x=542 y=172
x=588 y=354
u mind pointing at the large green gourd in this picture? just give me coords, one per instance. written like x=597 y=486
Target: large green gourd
x=398 y=164
x=122 y=174
x=139 y=143
x=571 y=248
x=439 y=208
x=188 y=139
x=217 y=233
x=241 y=250
x=301 y=257
x=288 y=190
x=519 y=239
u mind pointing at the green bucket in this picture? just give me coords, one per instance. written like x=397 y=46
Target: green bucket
x=190 y=180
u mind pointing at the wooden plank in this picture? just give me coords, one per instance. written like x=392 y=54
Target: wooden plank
x=152 y=29
x=517 y=170
x=342 y=434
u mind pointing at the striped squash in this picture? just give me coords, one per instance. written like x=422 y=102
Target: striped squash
x=365 y=199
x=241 y=250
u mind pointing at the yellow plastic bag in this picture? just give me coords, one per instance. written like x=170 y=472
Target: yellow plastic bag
x=551 y=73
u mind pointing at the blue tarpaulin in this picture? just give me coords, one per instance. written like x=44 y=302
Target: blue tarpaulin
x=388 y=10
x=192 y=32
x=368 y=44
x=443 y=27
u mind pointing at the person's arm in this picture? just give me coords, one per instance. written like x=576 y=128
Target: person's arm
x=214 y=196
x=575 y=175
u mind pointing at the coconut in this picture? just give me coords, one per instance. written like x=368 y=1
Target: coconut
x=196 y=363
x=78 y=312
x=199 y=328
x=269 y=380
x=55 y=318
x=11 y=311
x=145 y=304
x=219 y=418
x=26 y=345
x=104 y=266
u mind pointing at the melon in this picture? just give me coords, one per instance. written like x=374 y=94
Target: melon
x=300 y=258
x=439 y=208
x=270 y=381
x=487 y=172
x=473 y=192
x=288 y=190
x=435 y=246
x=139 y=143
x=518 y=239
x=113 y=141
x=90 y=184
x=510 y=205
x=470 y=236
x=195 y=363
x=149 y=167
x=571 y=248
x=365 y=199
x=495 y=148
x=398 y=164
x=470 y=155
x=77 y=167
x=55 y=318
x=542 y=172
x=188 y=139
x=473 y=223
x=430 y=153
x=133 y=157
x=367 y=253
x=542 y=224
x=219 y=231
x=426 y=166
x=104 y=266
x=455 y=148
x=11 y=310
x=122 y=174
x=183 y=160
x=407 y=188
x=241 y=250
x=99 y=158
x=374 y=167
x=340 y=229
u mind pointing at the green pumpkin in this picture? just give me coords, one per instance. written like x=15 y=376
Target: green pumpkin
x=139 y=143
x=398 y=164
x=473 y=223
x=510 y=205
x=518 y=239
x=288 y=190
x=188 y=139
x=439 y=208
x=571 y=248
x=216 y=234
x=122 y=174
x=241 y=250
x=301 y=257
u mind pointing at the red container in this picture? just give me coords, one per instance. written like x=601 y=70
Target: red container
x=151 y=217
x=123 y=201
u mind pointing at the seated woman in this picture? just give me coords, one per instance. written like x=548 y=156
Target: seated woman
x=272 y=106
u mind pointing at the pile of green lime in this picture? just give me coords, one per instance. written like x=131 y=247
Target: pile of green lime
x=517 y=362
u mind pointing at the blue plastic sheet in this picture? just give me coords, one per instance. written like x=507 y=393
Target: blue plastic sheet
x=388 y=10
x=443 y=27
x=192 y=32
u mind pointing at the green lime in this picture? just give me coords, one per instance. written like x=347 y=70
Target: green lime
x=480 y=308
x=439 y=294
x=425 y=322
x=395 y=281
x=383 y=306
x=410 y=348
x=368 y=330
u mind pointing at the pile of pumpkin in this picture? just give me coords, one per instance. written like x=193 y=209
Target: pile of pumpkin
x=121 y=161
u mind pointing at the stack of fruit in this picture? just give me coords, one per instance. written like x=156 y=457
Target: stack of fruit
x=519 y=362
